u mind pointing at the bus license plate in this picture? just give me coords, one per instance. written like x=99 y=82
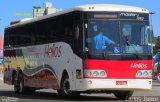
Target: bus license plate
x=121 y=82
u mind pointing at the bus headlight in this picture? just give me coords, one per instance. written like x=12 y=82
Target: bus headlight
x=102 y=73
x=95 y=73
x=144 y=73
x=139 y=74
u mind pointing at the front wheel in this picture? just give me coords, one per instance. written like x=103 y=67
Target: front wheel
x=65 y=88
x=123 y=94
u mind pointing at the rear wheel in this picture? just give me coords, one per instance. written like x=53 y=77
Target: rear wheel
x=123 y=94
x=19 y=84
x=16 y=84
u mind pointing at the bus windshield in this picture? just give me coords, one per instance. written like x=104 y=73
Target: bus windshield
x=136 y=38
x=115 y=37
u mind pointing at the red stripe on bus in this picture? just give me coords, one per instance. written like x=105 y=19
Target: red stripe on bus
x=119 y=68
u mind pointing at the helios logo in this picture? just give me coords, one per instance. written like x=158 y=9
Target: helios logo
x=52 y=51
x=138 y=65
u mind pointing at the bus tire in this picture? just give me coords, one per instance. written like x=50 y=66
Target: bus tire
x=16 y=83
x=22 y=88
x=64 y=90
x=65 y=87
x=19 y=84
x=123 y=95
x=29 y=90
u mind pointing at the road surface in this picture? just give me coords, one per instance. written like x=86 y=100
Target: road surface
x=7 y=95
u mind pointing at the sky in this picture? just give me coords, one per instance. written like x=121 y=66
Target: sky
x=11 y=10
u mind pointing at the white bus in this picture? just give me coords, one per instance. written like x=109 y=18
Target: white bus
x=58 y=51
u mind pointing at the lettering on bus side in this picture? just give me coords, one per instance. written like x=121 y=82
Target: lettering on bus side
x=138 y=65
x=52 y=51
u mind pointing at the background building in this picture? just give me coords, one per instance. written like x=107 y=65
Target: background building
x=47 y=9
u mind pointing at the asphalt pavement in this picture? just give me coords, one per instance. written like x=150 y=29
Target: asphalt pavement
x=48 y=95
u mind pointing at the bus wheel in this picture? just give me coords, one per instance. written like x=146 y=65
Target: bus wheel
x=65 y=89
x=16 y=83
x=30 y=90
x=123 y=94
x=19 y=84
x=22 y=88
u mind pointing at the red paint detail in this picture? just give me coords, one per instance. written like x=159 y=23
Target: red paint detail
x=43 y=79
x=119 y=68
x=158 y=75
x=10 y=53
x=1 y=42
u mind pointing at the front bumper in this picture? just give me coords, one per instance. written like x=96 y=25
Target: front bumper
x=111 y=84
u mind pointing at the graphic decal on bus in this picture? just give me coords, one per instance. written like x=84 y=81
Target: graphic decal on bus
x=52 y=51
x=33 y=71
x=44 y=74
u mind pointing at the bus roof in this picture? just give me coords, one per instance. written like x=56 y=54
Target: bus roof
x=89 y=7
x=111 y=7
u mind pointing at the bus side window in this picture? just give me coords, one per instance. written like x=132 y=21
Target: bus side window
x=69 y=31
x=76 y=33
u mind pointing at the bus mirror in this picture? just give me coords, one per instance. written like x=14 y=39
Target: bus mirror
x=76 y=32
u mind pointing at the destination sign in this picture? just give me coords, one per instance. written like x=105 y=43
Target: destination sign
x=117 y=15
x=100 y=15
x=103 y=16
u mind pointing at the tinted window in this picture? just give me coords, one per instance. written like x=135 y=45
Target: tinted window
x=109 y=31
x=136 y=37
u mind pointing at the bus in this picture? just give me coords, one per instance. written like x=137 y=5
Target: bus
x=58 y=51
